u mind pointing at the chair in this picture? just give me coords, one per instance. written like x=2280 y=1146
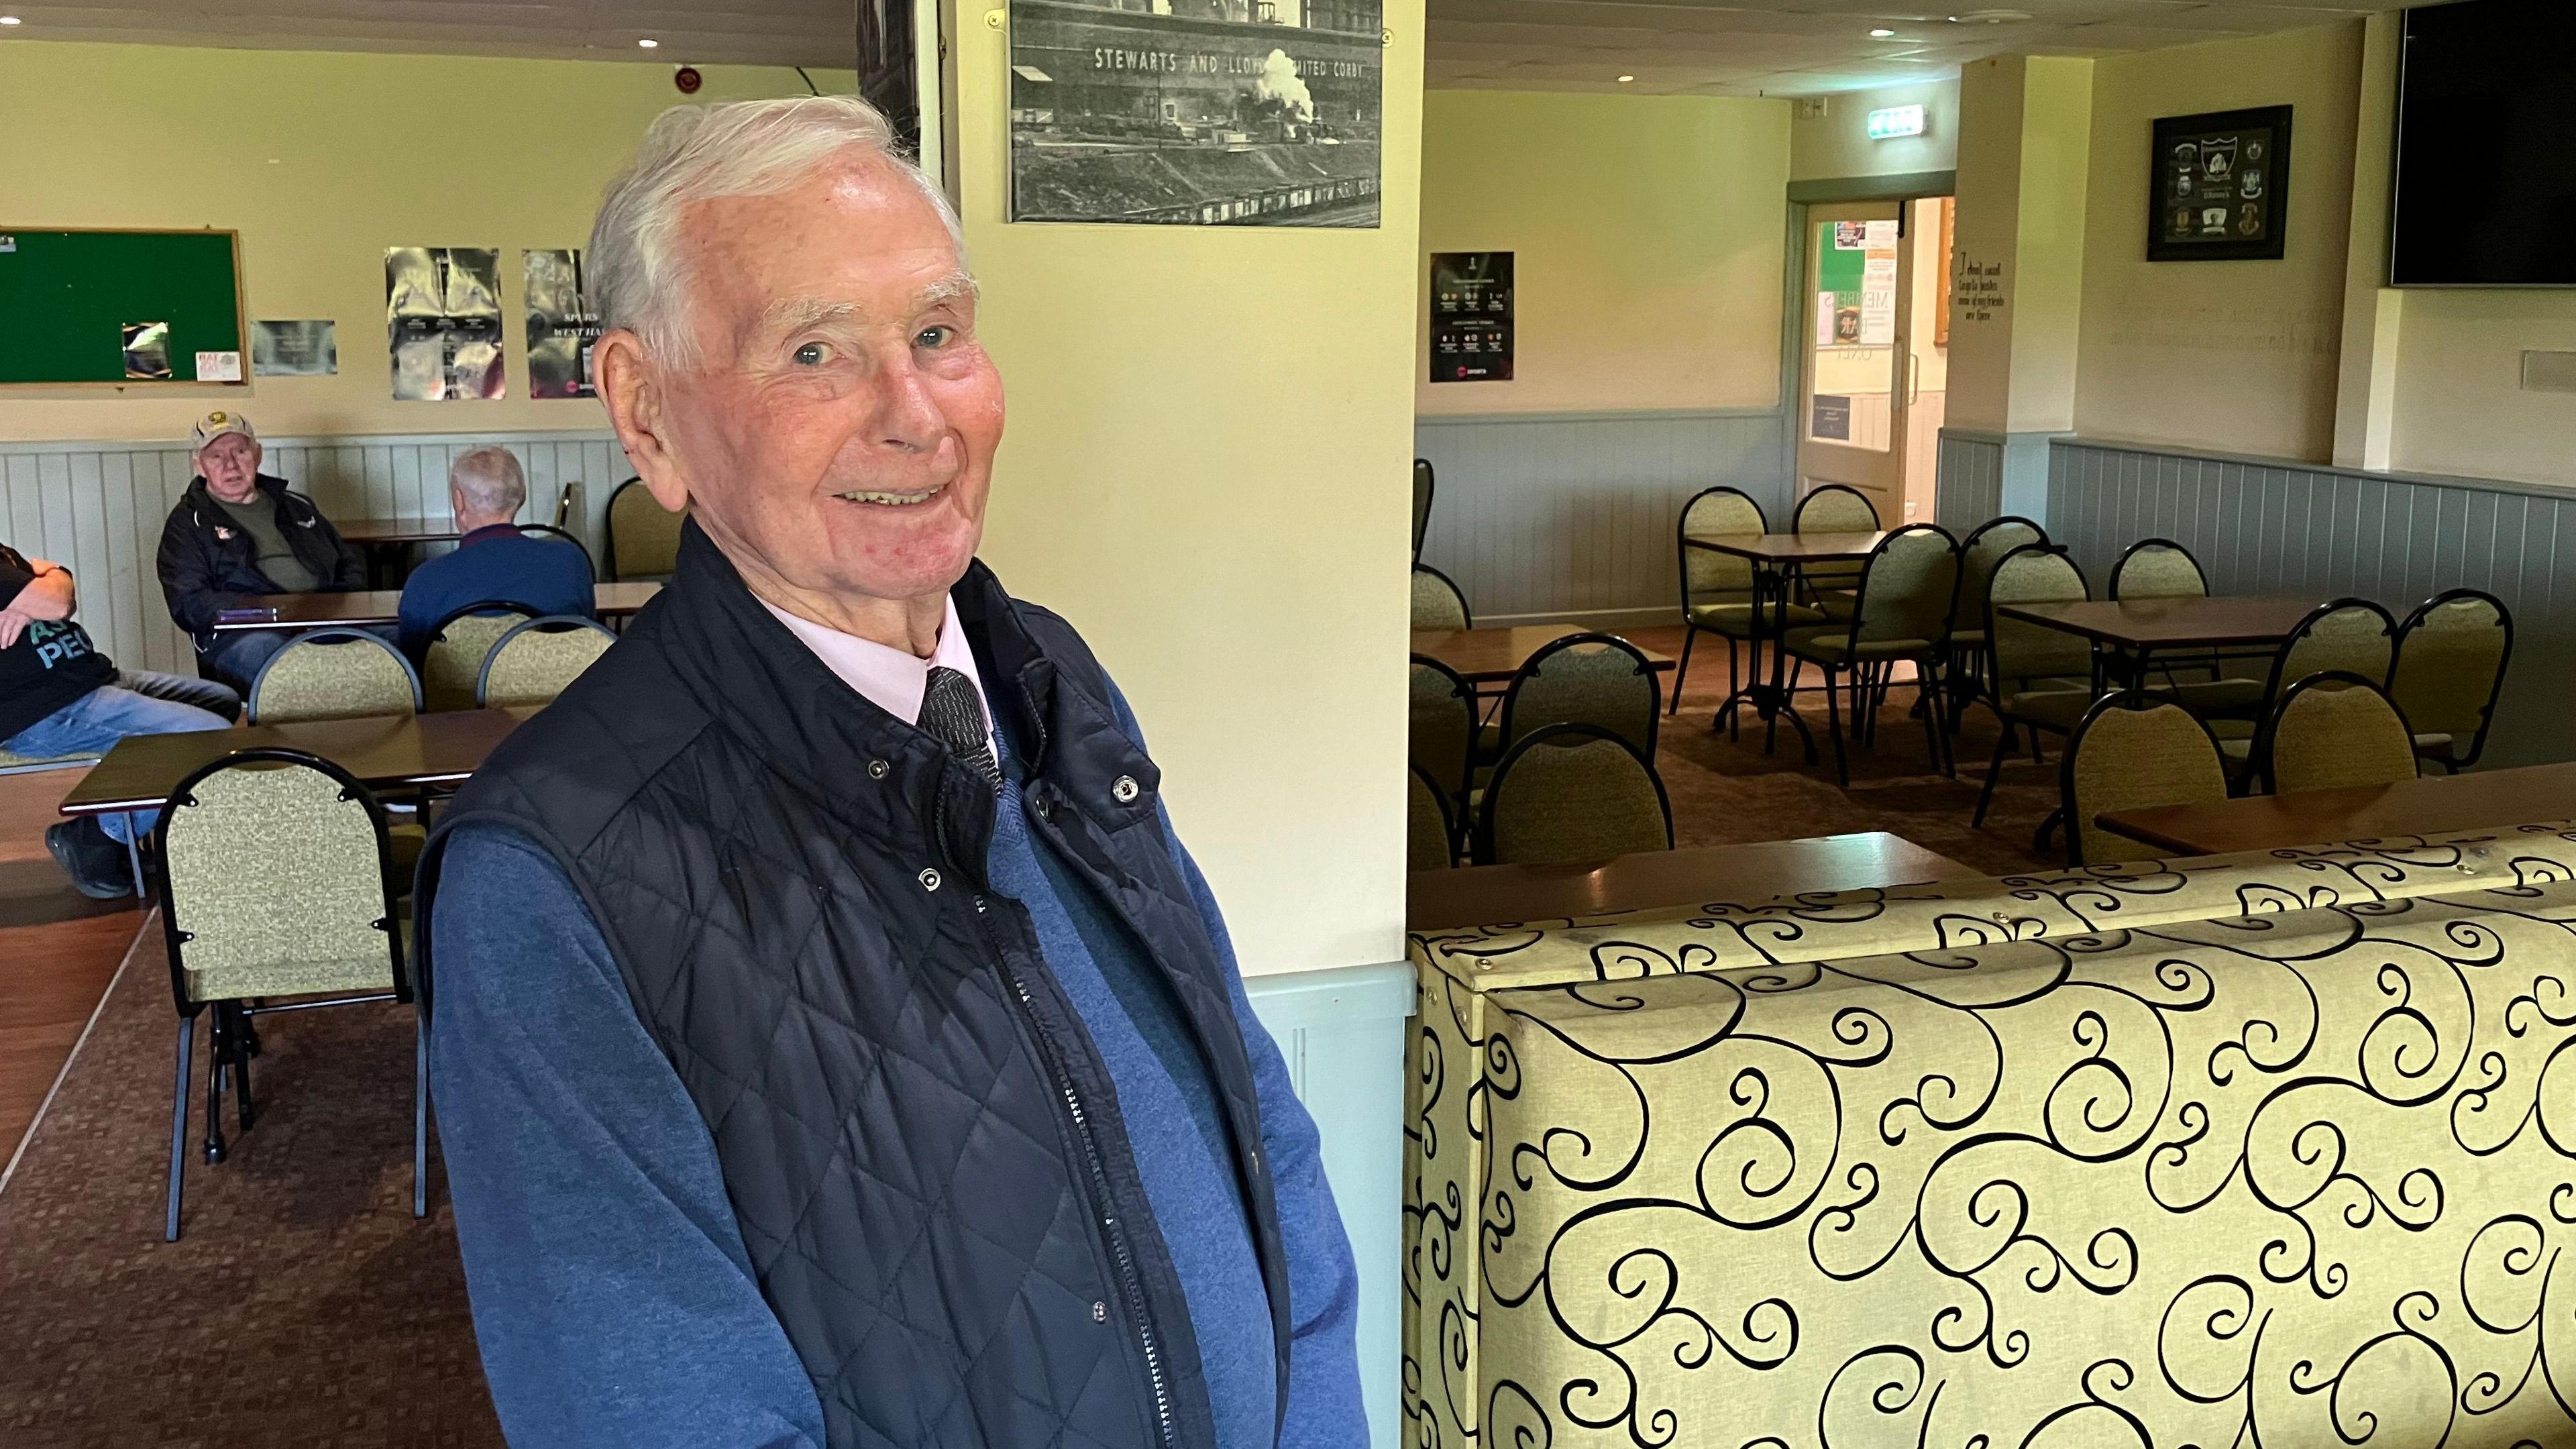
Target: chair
x=1441 y=730
x=333 y=674
x=2133 y=750
x=276 y=882
x=1900 y=612
x=2451 y=657
x=1718 y=594
x=2039 y=678
x=2157 y=568
x=1599 y=680
x=1437 y=603
x=563 y=505
x=1983 y=548
x=533 y=662
x=2335 y=729
x=1422 y=489
x=1572 y=792
x=558 y=534
x=643 y=536
x=1834 y=508
x=1430 y=833
x=452 y=666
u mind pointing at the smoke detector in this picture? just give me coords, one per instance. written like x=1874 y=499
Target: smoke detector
x=1990 y=17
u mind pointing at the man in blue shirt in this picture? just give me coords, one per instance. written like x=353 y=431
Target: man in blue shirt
x=494 y=561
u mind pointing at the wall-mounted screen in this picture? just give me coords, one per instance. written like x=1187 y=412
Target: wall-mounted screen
x=2485 y=188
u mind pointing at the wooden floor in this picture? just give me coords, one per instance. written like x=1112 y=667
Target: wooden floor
x=57 y=951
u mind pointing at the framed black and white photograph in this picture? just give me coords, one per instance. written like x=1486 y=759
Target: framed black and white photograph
x=1196 y=112
x=2220 y=188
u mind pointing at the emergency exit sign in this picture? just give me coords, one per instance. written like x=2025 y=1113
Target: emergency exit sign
x=1895 y=121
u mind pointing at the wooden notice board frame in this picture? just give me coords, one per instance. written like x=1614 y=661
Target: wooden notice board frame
x=186 y=299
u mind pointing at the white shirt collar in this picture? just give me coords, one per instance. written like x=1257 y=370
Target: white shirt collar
x=891 y=679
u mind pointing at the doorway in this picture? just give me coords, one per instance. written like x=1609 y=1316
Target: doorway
x=1875 y=352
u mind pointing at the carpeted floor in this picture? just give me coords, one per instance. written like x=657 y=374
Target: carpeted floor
x=305 y=1306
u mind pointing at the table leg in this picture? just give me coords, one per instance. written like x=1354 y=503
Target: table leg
x=1770 y=700
x=134 y=859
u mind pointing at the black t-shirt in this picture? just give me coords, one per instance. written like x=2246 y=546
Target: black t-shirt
x=51 y=665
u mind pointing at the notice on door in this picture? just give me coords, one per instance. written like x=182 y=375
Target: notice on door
x=1831 y=420
x=1878 y=285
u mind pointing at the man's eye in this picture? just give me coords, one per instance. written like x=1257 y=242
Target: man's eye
x=933 y=336
x=810 y=355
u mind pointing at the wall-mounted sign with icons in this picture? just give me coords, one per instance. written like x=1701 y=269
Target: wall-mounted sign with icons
x=1471 y=316
x=1896 y=121
x=2221 y=187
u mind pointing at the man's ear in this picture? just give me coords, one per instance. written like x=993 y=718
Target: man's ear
x=631 y=387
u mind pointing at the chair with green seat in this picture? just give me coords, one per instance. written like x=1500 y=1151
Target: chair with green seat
x=333 y=674
x=538 y=659
x=1979 y=553
x=1901 y=614
x=452 y=664
x=1437 y=602
x=2132 y=751
x=1440 y=737
x=1430 y=833
x=2350 y=635
x=277 y=887
x=643 y=536
x=2451 y=658
x=1834 y=508
x=2335 y=729
x=2040 y=679
x=1600 y=680
x=1424 y=483
x=1718 y=595
x=1572 y=792
x=2157 y=568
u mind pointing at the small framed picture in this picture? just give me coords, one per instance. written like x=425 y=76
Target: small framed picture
x=2220 y=187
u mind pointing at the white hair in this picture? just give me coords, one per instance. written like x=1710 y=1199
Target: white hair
x=491 y=480
x=705 y=152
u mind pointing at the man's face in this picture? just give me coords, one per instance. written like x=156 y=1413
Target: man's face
x=839 y=425
x=230 y=466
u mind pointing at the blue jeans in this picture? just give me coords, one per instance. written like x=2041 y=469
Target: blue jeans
x=235 y=658
x=109 y=713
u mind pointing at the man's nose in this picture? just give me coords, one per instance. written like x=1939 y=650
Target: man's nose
x=907 y=416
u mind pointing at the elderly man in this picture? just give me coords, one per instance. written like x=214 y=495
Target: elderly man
x=60 y=696
x=238 y=532
x=833 y=1044
x=494 y=562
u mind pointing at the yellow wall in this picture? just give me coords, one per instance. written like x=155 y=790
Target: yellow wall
x=1648 y=235
x=2230 y=356
x=321 y=161
x=2024 y=150
x=1208 y=471
x=1837 y=144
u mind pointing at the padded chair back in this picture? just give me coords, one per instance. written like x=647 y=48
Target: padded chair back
x=643 y=536
x=534 y=662
x=1599 y=680
x=452 y=665
x=2337 y=729
x=1714 y=578
x=1908 y=586
x=1423 y=484
x=1430 y=836
x=1572 y=793
x=2158 y=568
x=1980 y=551
x=1441 y=738
x=2025 y=653
x=557 y=533
x=2451 y=657
x=2132 y=751
x=276 y=881
x=1437 y=603
x=2351 y=636
x=333 y=674
x=1836 y=508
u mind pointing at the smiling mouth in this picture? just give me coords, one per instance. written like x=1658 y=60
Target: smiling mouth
x=891 y=500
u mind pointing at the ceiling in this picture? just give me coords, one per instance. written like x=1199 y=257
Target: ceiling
x=1744 y=47
x=1809 y=47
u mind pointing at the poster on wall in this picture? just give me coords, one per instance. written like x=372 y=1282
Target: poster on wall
x=1856 y=284
x=1471 y=316
x=562 y=328
x=2221 y=187
x=298 y=348
x=1196 y=112
x=443 y=323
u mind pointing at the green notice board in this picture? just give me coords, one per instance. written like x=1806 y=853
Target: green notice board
x=66 y=298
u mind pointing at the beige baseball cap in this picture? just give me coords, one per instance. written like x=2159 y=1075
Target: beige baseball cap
x=214 y=425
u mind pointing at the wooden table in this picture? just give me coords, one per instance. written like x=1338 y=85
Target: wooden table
x=2134 y=629
x=1484 y=895
x=1493 y=656
x=2357 y=812
x=1778 y=559
x=372 y=607
x=387 y=543
x=393 y=752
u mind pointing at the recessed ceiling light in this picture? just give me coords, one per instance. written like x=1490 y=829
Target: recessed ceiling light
x=8 y=20
x=1623 y=80
x=1990 y=17
x=1881 y=33
x=648 y=42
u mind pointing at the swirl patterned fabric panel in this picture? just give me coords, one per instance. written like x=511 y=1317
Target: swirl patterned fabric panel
x=2293 y=1179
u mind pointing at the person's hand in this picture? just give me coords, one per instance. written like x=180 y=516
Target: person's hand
x=12 y=624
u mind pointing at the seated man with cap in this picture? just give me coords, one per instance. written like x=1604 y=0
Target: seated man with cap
x=494 y=562
x=60 y=696
x=238 y=532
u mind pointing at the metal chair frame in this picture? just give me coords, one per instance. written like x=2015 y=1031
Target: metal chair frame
x=559 y=533
x=1869 y=681
x=1690 y=630
x=1991 y=696
x=2270 y=733
x=483 y=676
x=2123 y=699
x=1530 y=668
x=608 y=526
x=1426 y=485
x=250 y=701
x=1441 y=799
x=2504 y=662
x=1483 y=829
x=1460 y=594
x=2121 y=563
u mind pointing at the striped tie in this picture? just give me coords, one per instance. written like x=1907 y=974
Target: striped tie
x=953 y=714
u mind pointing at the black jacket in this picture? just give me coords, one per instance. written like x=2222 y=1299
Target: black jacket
x=920 y=1141
x=207 y=563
